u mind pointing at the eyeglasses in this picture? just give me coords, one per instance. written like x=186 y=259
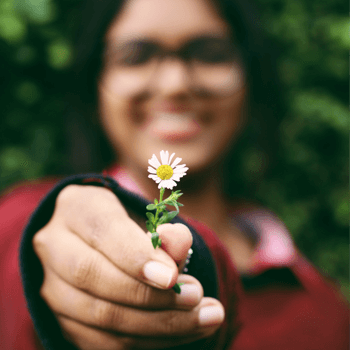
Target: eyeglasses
x=213 y=65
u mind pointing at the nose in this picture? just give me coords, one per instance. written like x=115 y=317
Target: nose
x=172 y=77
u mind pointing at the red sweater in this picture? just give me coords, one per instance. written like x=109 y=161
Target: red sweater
x=285 y=303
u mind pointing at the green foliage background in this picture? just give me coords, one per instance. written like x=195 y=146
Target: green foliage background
x=311 y=195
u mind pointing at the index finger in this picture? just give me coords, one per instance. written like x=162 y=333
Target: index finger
x=97 y=216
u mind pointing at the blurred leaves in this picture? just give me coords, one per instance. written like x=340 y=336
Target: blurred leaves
x=36 y=11
x=309 y=190
x=59 y=54
x=309 y=187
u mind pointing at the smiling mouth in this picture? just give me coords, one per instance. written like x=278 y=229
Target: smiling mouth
x=173 y=127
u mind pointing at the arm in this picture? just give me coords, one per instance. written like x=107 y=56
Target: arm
x=202 y=267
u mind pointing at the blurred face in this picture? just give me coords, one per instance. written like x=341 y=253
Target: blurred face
x=171 y=81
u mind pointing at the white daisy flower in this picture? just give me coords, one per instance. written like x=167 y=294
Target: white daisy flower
x=165 y=174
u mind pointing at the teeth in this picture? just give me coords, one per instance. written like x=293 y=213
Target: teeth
x=175 y=116
x=174 y=122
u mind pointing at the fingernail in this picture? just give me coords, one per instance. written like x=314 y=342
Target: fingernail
x=190 y=294
x=211 y=315
x=158 y=273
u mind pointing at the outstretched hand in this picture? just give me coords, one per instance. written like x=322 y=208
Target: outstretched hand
x=107 y=285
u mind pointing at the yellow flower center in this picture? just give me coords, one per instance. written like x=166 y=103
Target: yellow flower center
x=165 y=172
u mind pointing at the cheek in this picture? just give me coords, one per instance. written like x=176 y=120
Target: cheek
x=230 y=116
x=218 y=139
x=113 y=115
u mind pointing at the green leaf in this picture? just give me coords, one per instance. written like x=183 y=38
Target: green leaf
x=149 y=226
x=161 y=206
x=172 y=202
x=151 y=207
x=167 y=217
x=173 y=197
x=150 y=217
x=177 y=288
x=156 y=242
x=172 y=214
x=164 y=219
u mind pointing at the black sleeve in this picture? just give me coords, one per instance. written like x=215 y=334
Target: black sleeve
x=201 y=266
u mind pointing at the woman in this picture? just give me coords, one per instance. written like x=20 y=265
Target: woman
x=175 y=75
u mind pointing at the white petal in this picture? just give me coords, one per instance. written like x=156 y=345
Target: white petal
x=155 y=178
x=164 y=156
x=180 y=166
x=168 y=184
x=180 y=171
x=170 y=158
x=172 y=183
x=180 y=175
x=176 y=162
x=151 y=170
x=161 y=184
x=176 y=177
x=154 y=161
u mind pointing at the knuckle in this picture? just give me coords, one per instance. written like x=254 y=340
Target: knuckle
x=141 y=294
x=43 y=292
x=105 y=315
x=46 y=294
x=40 y=241
x=171 y=323
x=98 y=226
x=84 y=272
x=67 y=194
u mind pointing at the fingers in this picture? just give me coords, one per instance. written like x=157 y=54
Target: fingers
x=87 y=337
x=72 y=260
x=98 y=263
x=99 y=313
x=105 y=226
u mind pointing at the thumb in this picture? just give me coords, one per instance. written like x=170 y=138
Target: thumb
x=176 y=241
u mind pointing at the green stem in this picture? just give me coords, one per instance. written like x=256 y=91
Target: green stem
x=162 y=189
x=177 y=286
x=158 y=210
x=156 y=220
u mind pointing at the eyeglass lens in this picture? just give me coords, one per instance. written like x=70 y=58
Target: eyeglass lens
x=214 y=64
